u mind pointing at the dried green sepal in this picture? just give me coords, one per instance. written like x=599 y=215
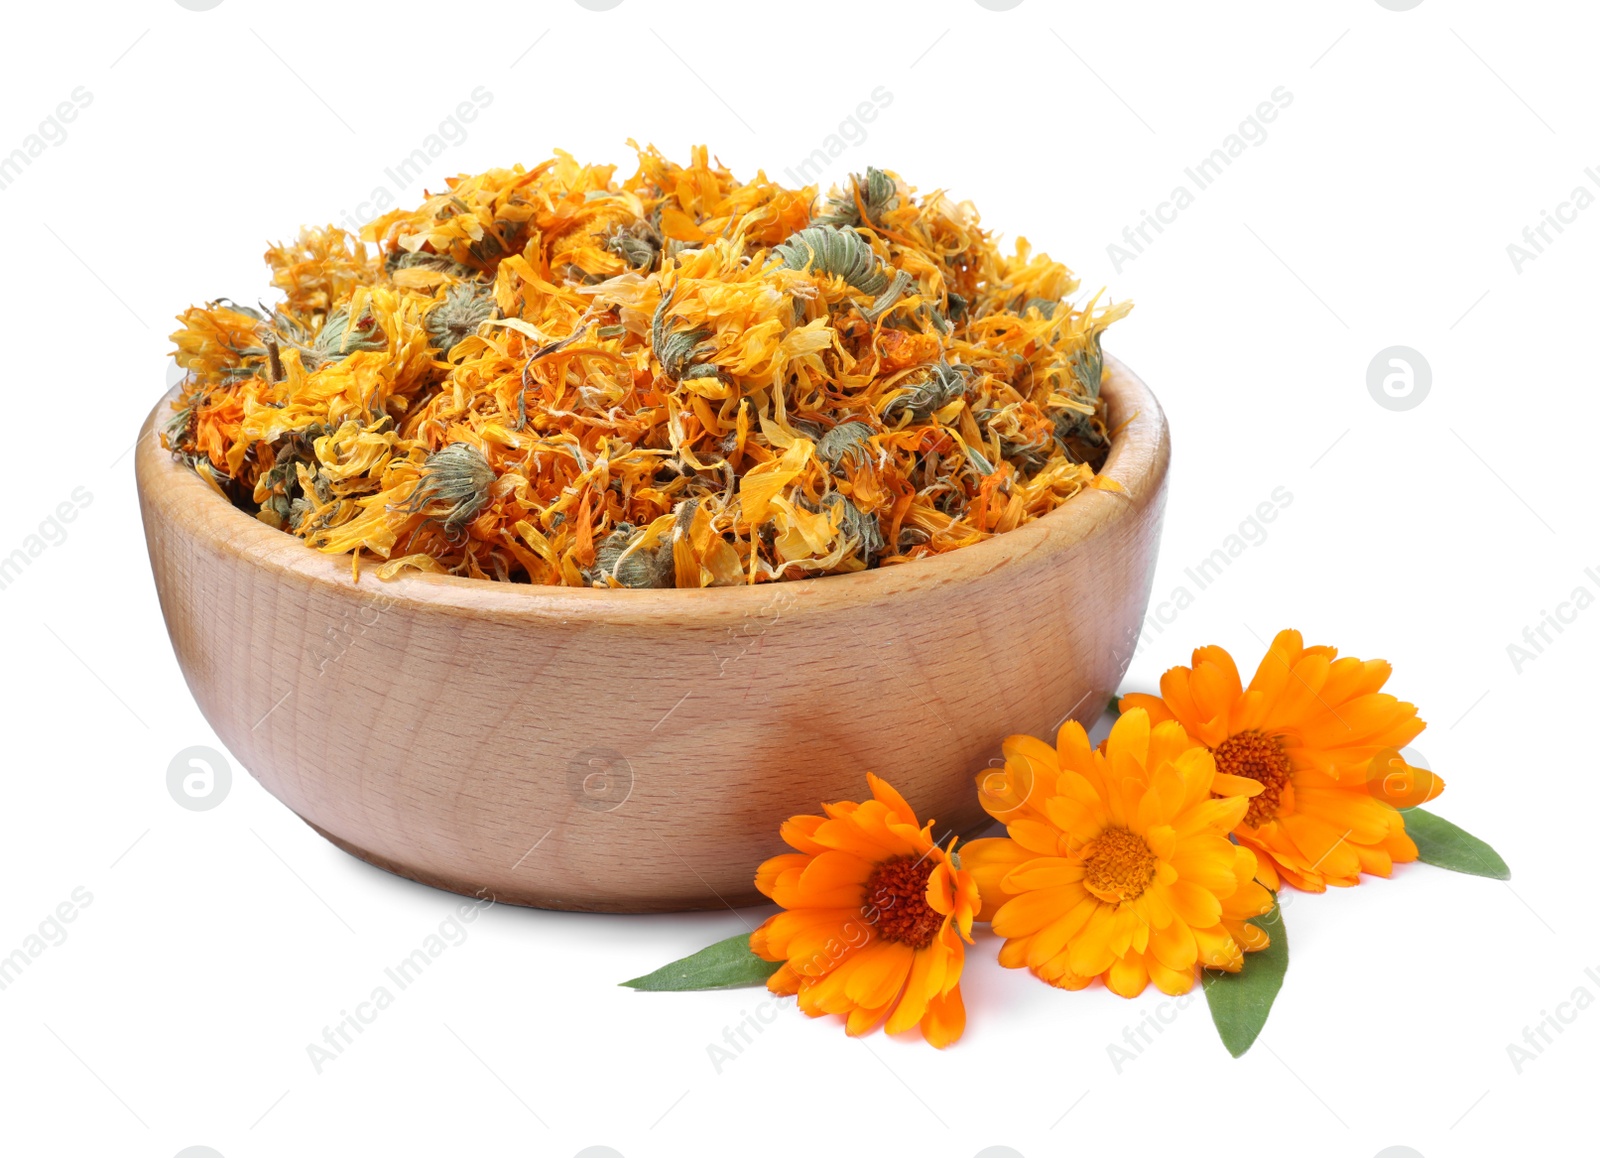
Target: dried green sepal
x=177 y=429
x=859 y=525
x=845 y=443
x=678 y=350
x=608 y=550
x=466 y=305
x=616 y=557
x=542 y=352
x=928 y=390
x=638 y=244
x=979 y=463
x=250 y=357
x=421 y=260
x=1076 y=429
x=845 y=254
x=458 y=477
x=336 y=338
x=340 y=337
x=1088 y=365
x=281 y=480
x=877 y=194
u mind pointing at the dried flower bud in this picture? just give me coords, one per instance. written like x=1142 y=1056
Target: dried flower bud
x=928 y=390
x=458 y=477
x=639 y=245
x=814 y=373
x=466 y=305
x=859 y=525
x=336 y=338
x=877 y=193
x=423 y=260
x=845 y=254
x=677 y=350
x=845 y=443
x=616 y=557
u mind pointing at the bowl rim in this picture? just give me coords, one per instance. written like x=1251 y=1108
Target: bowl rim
x=1137 y=462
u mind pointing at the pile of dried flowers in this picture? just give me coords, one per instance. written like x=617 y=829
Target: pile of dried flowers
x=1152 y=859
x=680 y=379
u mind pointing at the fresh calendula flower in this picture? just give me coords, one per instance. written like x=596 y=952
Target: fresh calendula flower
x=874 y=918
x=1117 y=862
x=1322 y=740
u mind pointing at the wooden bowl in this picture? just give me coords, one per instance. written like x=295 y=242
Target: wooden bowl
x=635 y=751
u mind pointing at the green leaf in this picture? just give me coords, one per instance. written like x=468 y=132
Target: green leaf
x=1113 y=708
x=1441 y=843
x=1241 y=1001
x=726 y=965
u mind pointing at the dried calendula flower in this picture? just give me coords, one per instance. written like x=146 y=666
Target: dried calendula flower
x=552 y=375
x=866 y=199
x=679 y=351
x=457 y=479
x=845 y=254
x=465 y=306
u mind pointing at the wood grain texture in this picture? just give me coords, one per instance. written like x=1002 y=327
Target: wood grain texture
x=635 y=751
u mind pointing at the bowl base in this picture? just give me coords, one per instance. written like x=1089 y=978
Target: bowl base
x=530 y=899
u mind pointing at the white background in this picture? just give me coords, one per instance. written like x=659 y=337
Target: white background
x=178 y=1010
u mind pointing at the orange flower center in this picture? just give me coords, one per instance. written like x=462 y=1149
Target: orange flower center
x=1259 y=757
x=1118 y=865
x=898 y=890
